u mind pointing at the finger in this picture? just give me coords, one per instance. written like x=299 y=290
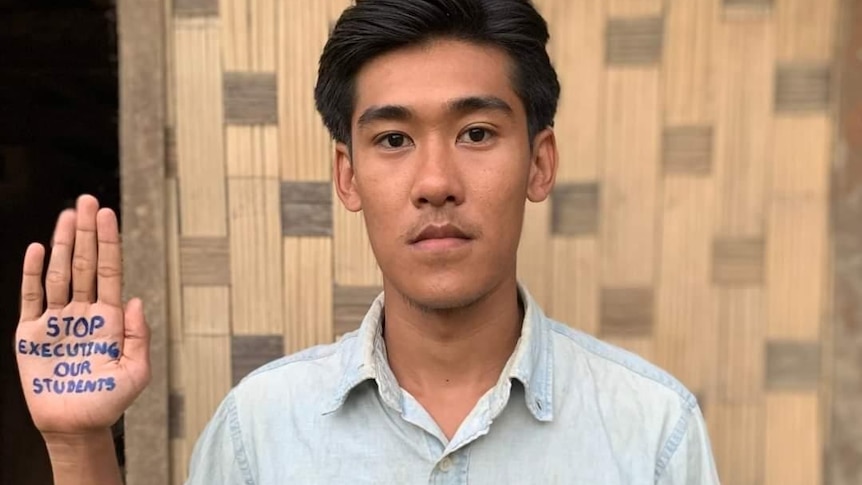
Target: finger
x=136 y=337
x=84 y=257
x=31 y=282
x=109 y=268
x=57 y=279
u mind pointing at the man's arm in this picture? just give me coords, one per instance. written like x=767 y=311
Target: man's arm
x=83 y=459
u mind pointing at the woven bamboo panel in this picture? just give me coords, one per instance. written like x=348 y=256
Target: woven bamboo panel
x=199 y=128
x=689 y=223
x=686 y=330
x=308 y=290
x=256 y=250
x=793 y=444
x=686 y=67
x=630 y=177
x=207 y=372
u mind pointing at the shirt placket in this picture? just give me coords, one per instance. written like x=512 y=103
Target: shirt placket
x=451 y=469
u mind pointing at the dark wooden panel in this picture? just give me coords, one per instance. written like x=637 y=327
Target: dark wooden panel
x=204 y=261
x=627 y=311
x=250 y=98
x=351 y=303
x=248 y=352
x=142 y=168
x=575 y=209
x=738 y=261
x=306 y=209
x=688 y=150
x=844 y=351
x=176 y=415
x=802 y=87
x=792 y=365
x=634 y=41
x=170 y=153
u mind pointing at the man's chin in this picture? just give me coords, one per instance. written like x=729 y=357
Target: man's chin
x=446 y=299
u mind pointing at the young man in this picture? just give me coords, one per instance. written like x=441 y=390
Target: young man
x=442 y=112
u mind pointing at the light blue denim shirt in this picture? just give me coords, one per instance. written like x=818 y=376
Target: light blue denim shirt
x=567 y=409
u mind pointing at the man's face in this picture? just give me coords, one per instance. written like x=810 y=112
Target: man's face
x=441 y=168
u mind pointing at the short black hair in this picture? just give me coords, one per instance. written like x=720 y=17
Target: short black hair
x=372 y=28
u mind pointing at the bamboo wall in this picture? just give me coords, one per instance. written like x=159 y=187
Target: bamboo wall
x=689 y=223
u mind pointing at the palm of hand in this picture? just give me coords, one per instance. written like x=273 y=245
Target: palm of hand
x=82 y=362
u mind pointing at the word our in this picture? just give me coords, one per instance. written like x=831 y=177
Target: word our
x=74 y=369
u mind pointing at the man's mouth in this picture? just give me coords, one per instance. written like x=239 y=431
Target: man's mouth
x=439 y=237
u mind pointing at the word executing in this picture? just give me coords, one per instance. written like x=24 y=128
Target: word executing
x=72 y=376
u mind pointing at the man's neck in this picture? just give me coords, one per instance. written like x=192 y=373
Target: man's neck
x=462 y=350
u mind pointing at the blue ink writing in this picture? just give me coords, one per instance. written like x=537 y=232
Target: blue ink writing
x=73 y=349
x=76 y=386
x=73 y=369
x=80 y=327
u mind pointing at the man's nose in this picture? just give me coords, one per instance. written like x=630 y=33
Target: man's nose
x=438 y=179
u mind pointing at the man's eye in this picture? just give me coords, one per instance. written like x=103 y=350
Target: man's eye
x=394 y=140
x=475 y=135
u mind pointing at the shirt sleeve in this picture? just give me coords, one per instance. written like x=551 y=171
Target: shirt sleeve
x=219 y=455
x=692 y=462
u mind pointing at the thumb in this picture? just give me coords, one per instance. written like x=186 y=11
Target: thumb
x=136 y=334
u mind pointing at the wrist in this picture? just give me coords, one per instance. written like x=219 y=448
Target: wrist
x=83 y=458
x=66 y=446
x=77 y=438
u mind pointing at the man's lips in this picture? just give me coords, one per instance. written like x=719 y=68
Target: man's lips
x=440 y=232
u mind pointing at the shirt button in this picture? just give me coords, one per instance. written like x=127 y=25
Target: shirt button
x=445 y=464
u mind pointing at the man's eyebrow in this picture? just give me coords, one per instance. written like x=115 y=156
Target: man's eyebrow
x=389 y=112
x=471 y=104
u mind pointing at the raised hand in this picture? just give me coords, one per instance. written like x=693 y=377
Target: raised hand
x=82 y=360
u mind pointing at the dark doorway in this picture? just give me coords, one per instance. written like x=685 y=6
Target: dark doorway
x=58 y=139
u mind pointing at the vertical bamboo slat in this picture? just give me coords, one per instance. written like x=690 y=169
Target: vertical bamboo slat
x=744 y=54
x=206 y=360
x=686 y=66
x=575 y=283
x=206 y=310
x=252 y=151
x=256 y=254
x=793 y=442
x=354 y=260
x=806 y=29
x=634 y=8
x=797 y=269
x=737 y=432
x=630 y=177
x=533 y=252
x=577 y=47
x=307 y=292
x=306 y=147
x=199 y=130
x=741 y=359
x=686 y=330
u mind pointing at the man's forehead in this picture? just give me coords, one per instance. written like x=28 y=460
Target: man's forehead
x=442 y=75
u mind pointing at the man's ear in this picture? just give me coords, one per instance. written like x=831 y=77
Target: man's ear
x=543 y=166
x=345 y=180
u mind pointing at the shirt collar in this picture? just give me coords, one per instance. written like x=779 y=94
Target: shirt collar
x=364 y=358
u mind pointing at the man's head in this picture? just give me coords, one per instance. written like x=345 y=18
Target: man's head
x=442 y=114
x=375 y=27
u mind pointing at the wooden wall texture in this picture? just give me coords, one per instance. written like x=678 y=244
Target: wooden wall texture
x=689 y=224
